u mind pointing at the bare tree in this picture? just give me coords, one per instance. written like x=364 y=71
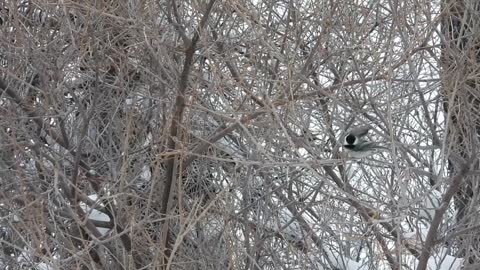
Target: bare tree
x=460 y=59
x=208 y=134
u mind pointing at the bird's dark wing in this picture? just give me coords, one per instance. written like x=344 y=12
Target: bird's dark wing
x=360 y=131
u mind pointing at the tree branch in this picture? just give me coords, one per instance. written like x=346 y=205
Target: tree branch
x=439 y=212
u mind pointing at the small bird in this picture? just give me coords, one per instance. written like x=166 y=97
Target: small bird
x=358 y=147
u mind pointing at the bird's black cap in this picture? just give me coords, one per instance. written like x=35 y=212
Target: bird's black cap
x=350 y=139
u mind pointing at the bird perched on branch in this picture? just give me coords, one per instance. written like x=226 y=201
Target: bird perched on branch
x=357 y=146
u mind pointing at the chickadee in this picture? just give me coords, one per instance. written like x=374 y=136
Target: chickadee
x=357 y=147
